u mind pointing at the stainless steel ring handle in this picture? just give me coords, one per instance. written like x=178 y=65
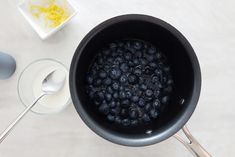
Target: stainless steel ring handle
x=192 y=145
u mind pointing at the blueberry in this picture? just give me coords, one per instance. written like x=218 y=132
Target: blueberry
x=152 y=50
x=136 y=61
x=146 y=118
x=143 y=87
x=156 y=103
x=97 y=82
x=125 y=103
x=110 y=60
x=148 y=93
x=138 y=54
x=158 y=55
x=149 y=83
x=118 y=103
x=165 y=99
x=110 y=118
x=107 y=81
x=100 y=61
x=154 y=113
x=124 y=112
x=106 y=67
x=149 y=58
x=118 y=120
x=158 y=72
x=134 y=122
x=106 y=52
x=124 y=67
x=148 y=99
x=137 y=72
x=128 y=94
x=137 y=45
x=118 y=60
x=135 y=87
x=133 y=114
x=114 y=54
x=138 y=93
x=160 y=85
x=153 y=65
x=143 y=61
x=135 y=98
x=155 y=79
x=132 y=50
x=147 y=107
x=164 y=79
x=115 y=62
x=145 y=45
x=127 y=56
x=156 y=93
x=91 y=94
x=141 y=102
x=168 y=89
x=123 y=79
x=97 y=96
x=113 y=45
x=119 y=51
x=114 y=111
x=122 y=95
x=155 y=86
x=89 y=79
x=140 y=112
x=141 y=80
x=167 y=69
x=127 y=45
x=120 y=44
x=126 y=122
x=112 y=104
x=115 y=95
x=102 y=74
x=147 y=70
x=108 y=97
x=104 y=109
x=94 y=69
x=100 y=94
x=115 y=86
x=130 y=63
x=170 y=82
x=121 y=88
x=115 y=73
x=97 y=103
x=109 y=90
x=132 y=79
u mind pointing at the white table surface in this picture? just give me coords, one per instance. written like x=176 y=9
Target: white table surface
x=209 y=25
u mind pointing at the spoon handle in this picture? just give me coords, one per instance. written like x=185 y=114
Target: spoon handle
x=20 y=116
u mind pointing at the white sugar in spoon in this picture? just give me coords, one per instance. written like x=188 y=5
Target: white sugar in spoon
x=52 y=84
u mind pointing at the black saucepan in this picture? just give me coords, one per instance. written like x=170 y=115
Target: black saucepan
x=185 y=70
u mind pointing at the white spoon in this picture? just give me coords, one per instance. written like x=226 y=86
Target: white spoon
x=52 y=84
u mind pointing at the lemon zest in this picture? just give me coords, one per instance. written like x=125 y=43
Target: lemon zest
x=53 y=14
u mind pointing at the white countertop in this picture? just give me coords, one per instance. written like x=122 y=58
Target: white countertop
x=209 y=25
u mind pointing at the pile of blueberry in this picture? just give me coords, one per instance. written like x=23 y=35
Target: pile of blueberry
x=129 y=82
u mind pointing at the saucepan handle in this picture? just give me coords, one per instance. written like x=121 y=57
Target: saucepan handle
x=193 y=146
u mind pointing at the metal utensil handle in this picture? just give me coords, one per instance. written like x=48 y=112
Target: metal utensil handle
x=20 y=116
x=193 y=146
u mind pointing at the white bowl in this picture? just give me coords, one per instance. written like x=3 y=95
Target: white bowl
x=43 y=31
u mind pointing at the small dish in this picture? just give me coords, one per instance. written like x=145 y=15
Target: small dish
x=29 y=87
x=38 y=25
